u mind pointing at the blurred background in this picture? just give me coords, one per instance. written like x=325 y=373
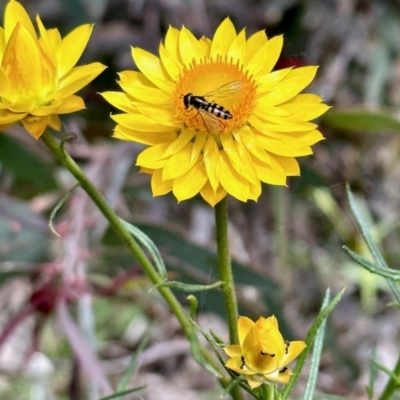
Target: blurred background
x=287 y=247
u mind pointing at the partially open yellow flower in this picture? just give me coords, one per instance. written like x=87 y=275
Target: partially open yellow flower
x=262 y=354
x=37 y=75
x=215 y=117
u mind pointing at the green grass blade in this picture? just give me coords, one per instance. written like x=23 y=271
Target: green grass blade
x=316 y=356
x=123 y=383
x=149 y=245
x=309 y=341
x=373 y=248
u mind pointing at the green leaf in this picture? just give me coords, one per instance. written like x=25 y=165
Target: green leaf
x=389 y=273
x=122 y=393
x=57 y=207
x=373 y=373
x=24 y=165
x=323 y=314
x=362 y=120
x=373 y=248
x=329 y=397
x=148 y=245
x=316 y=356
x=132 y=365
x=189 y=288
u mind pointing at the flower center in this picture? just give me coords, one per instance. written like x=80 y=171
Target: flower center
x=214 y=96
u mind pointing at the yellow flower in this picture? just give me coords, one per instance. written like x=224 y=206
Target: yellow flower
x=37 y=75
x=215 y=117
x=262 y=353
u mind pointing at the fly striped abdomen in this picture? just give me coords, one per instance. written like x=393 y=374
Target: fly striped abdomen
x=200 y=103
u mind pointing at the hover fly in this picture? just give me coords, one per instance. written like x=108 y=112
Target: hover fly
x=211 y=112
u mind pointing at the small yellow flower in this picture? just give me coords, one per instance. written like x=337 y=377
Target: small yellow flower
x=262 y=353
x=216 y=118
x=37 y=75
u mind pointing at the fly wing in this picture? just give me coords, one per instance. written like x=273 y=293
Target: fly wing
x=213 y=123
x=225 y=90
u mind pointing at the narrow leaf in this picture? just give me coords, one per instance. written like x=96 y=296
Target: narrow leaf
x=149 y=245
x=316 y=356
x=310 y=339
x=57 y=207
x=123 y=393
x=373 y=373
x=187 y=287
x=373 y=248
x=385 y=272
x=132 y=365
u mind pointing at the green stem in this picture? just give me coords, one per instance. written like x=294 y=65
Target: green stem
x=392 y=385
x=225 y=269
x=269 y=391
x=116 y=223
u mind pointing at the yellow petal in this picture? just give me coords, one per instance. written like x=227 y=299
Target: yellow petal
x=223 y=38
x=179 y=163
x=27 y=66
x=15 y=14
x=293 y=148
x=211 y=196
x=239 y=158
x=205 y=44
x=271 y=173
x=119 y=100
x=46 y=41
x=254 y=43
x=308 y=138
x=149 y=138
x=199 y=143
x=273 y=321
x=2 y=43
x=180 y=142
x=237 y=50
x=266 y=57
x=233 y=350
x=244 y=326
x=42 y=111
x=78 y=78
x=71 y=48
x=71 y=104
x=158 y=186
x=289 y=165
x=268 y=81
x=7 y=117
x=189 y=47
x=172 y=44
x=170 y=63
x=140 y=122
x=152 y=68
x=212 y=162
x=293 y=351
x=279 y=376
x=305 y=111
x=152 y=157
x=190 y=184
x=35 y=125
x=231 y=181
x=130 y=80
x=293 y=83
x=54 y=122
x=253 y=382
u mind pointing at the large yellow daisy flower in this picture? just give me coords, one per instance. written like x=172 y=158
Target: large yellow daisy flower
x=37 y=75
x=215 y=117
